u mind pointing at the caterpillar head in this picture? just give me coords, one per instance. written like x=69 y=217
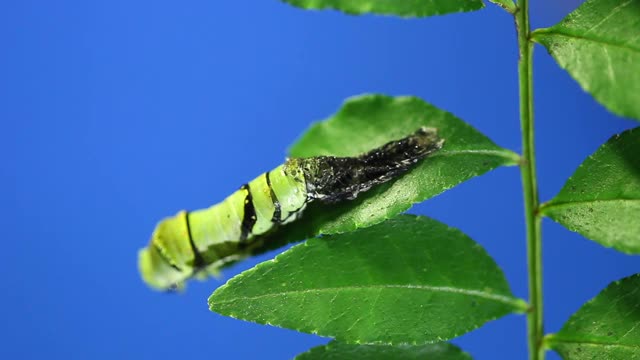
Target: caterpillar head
x=168 y=259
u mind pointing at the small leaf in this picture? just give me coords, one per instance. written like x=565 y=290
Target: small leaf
x=340 y=351
x=369 y=121
x=598 y=44
x=601 y=200
x=506 y=4
x=607 y=327
x=410 y=280
x=403 y=8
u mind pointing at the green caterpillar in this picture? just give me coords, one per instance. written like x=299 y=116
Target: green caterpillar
x=201 y=242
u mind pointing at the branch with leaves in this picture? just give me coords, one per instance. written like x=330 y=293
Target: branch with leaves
x=389 y=281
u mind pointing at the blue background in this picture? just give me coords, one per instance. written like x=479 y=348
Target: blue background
x=117 y=113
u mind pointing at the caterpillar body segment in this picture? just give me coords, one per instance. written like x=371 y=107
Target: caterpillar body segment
x=200 y=242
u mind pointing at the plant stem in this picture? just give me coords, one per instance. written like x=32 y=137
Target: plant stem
x=529 y=184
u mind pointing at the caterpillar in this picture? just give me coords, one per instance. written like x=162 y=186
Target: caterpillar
x=198 y=243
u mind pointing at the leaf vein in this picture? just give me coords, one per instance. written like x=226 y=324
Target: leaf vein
x=444 y=289
x=592 y=342
x=550 y=205
x=499 y=153
x=613 y=12
x=580 y=37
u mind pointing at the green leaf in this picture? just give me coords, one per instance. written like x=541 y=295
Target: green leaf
x=410 y=280
x=506 y=4
x=601 y=200
x=340 y=351
x=366 y=122
x=598 y=44
x=403 y=8
x=607 y=327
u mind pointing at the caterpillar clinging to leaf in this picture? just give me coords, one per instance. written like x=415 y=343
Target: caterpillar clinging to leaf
x=199 y=242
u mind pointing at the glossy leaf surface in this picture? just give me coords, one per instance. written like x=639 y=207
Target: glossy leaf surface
x=598 y=44
x=403 y=8
x=410 y=280
x=340 y=351
x=601 y=200
x=605 y=328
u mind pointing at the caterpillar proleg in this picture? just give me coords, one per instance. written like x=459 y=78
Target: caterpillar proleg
x=200 y=242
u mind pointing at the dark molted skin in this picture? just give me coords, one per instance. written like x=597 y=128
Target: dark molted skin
x=333 y=179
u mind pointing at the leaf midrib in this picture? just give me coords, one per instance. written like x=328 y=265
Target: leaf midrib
x=557 y=32
x=512 y=157
x=551 y=205
x=559 y=340
x=516 y=303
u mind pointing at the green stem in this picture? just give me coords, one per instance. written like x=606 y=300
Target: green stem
x=530 y=188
